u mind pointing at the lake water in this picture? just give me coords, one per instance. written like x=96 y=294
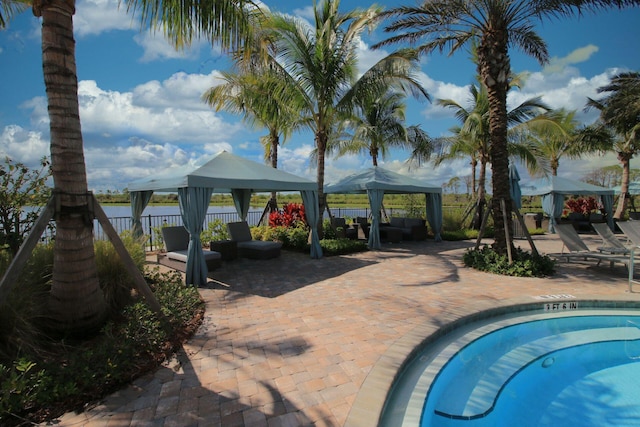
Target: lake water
x=125 y=211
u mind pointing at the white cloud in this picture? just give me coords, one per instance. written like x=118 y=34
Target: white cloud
x=579 y=55
x=179 y=90
x=156 y=47
x=94 y=17
x=23 y=146
x=567 y=89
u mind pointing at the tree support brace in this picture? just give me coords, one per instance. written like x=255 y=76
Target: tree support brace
x=52 y=210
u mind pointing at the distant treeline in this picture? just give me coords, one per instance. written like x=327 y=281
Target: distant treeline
x=334 y=200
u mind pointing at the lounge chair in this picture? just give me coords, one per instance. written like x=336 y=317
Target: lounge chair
x=362 y=223
x=342 y=229
x=610 y=242
x=577 y=248
x=631 y=230
x=249 y=248
x=176 y=242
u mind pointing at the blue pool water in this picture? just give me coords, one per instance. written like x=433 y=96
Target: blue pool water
x=572 y=370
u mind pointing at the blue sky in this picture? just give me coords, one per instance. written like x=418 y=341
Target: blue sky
x=141 y=110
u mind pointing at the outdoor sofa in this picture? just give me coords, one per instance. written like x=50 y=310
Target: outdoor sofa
x=249 y=248
x=412 y=228
x=176 y=243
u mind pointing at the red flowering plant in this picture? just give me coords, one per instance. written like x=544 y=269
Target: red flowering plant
x=291 y=215
x=583 y=205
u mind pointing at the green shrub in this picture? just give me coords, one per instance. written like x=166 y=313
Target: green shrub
x=114 y=278
x=342 y=246
x=216 y=230
x=40 y=378
x=73 y=373
x=524 y=263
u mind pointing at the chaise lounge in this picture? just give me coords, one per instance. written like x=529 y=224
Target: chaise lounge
x=176 y=242
x=249 y=248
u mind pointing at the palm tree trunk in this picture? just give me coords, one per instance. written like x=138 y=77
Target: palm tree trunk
x=494 y=68
x=275 y=141
x=76 y=301
x=474 y=183
x=321 y=145
x=481 y=194
x=625 y=160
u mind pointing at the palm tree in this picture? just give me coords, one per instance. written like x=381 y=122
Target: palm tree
x=252 y=95
x=498 y=24
x=553 y=135
x=620 y=115
x=319 y=63
x=378 y=125
x=10 y=8
x=472 y=136
x=77 y=304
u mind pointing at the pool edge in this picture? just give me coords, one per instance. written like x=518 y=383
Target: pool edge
x=367 y=408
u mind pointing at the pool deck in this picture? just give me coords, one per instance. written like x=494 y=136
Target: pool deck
x=299 y=342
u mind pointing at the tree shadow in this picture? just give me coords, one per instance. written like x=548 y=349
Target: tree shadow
x=275 y=277
x=198 y=387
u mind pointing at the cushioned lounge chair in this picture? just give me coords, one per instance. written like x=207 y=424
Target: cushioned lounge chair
x=176 y=242
x=578 y=249
x=249 y=248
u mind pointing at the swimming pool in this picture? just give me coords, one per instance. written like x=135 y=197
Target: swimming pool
x=577 y=368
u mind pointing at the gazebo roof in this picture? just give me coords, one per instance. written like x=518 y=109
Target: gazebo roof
x=223 y=173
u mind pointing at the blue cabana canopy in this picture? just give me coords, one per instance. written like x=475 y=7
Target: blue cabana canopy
x=224 y=173
x=553 y=190
x=375 y=182
x=634 y=188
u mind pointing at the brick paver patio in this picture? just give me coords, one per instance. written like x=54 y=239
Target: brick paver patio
x=301 y=342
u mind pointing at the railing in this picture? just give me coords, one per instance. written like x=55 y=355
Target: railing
x=152 y=223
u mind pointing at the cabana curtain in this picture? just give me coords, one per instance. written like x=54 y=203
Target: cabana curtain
x=242 y=201
x=312 y=212
x=375 y=201
x=434 y=214
x=139 y=201
x=194 y=202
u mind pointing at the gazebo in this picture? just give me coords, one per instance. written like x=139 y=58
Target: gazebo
x=376 y=182
x=553 y=190
x=224 y=173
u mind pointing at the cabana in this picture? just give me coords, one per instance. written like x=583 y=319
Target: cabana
x=224 y=173
x=553 y=190
x=375 y=182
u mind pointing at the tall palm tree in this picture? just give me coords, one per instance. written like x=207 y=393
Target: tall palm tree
x=320 y=61
x=620 y=113
x=378 y=124
x=252 y=95
x=499 y=25
x=77 y=304
x=473 y=136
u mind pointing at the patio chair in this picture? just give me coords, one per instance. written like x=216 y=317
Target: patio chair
x=176 y=242
x=610 y=242
x=631 y=230
x=249 y=248
x=342 y=229
x=577 y=248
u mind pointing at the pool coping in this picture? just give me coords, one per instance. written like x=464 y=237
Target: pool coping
x=370 y=401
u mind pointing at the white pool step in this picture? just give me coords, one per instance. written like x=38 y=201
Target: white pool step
x=475 y=396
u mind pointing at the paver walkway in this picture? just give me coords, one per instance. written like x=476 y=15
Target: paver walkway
x=291 y=341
